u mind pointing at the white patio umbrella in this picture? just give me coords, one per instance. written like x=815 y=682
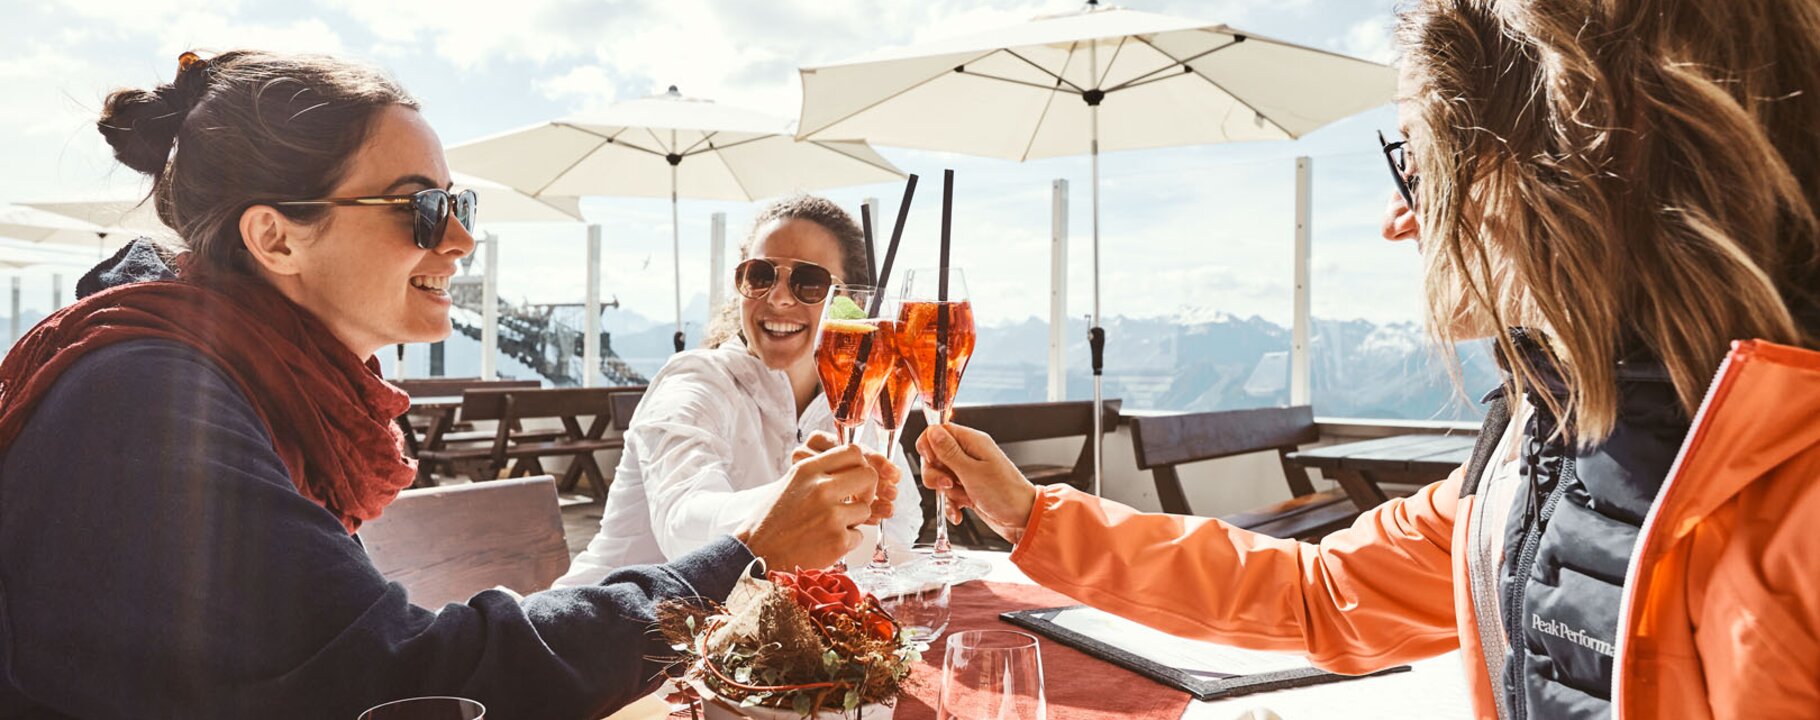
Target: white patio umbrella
x=1101 y=78
x=670 y=145
x=31 y=224
x=498 y=203
x=132 y=216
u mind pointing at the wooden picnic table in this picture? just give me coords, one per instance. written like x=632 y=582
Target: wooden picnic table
x=1362 y=467
x=439 y=410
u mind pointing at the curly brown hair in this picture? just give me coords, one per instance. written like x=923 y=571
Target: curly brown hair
x=813 y=208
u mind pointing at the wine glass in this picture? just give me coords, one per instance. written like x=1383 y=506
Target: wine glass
x=992 y=675
x=935 y=337
x=852 y=356
x=889 y=410
x=854 y=353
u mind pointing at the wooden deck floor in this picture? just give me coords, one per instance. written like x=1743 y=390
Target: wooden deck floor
x=580 y=523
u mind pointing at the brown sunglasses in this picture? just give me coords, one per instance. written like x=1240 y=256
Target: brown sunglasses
x=808 y=281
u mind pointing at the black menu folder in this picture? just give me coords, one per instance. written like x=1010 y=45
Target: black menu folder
x=1203 y=684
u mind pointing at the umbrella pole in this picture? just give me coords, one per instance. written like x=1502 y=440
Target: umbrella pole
x=676 y=257
x=1096 y=336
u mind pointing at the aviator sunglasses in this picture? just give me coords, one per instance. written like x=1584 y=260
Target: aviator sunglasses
x=809 y=282
x=431 y=207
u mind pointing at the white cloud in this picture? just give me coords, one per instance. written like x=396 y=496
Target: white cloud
x=1371 y=39
x=585 y=87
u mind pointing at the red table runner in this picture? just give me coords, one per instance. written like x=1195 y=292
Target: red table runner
x=1077 y=686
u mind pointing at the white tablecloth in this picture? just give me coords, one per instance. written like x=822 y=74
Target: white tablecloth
x=1433 y=688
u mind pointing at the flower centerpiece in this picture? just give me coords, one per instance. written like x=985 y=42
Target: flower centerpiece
x=793 y=644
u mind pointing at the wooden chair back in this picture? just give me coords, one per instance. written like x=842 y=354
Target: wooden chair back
x=625 y=403
x=446 y=543
x=1024 y=422
x=1164 y=441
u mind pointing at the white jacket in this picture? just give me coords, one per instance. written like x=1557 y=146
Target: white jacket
x=704 y=452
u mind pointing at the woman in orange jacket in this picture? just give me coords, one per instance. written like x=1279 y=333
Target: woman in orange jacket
x=1614 y=190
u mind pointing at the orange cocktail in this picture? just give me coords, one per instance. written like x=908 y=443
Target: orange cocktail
x=853 y=357
x=936 y=339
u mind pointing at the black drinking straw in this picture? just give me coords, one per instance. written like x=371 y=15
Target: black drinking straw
x=941 y=294
x=865 y=226
x=897 y=233
x=878 y=292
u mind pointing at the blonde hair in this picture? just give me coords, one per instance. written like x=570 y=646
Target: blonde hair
x=1626 y=174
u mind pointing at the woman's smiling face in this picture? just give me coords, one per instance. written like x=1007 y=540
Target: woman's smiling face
x=779 y=328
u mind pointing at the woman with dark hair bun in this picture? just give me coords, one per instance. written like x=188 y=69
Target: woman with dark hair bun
x=188 y=450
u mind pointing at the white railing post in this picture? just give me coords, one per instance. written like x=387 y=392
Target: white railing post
x=56 y=291
x=717 y=264
x=489 y=310
x=1300 y=371
x=590 y=343
x=1058 y=290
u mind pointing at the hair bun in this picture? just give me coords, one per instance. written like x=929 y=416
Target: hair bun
x=142 y=125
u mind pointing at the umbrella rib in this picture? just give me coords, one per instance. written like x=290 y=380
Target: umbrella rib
x=1032 y=63
x=1145 y=79
x=735 y=175
x=660 y=141
x=604 y=141
x=707 y=137
x=614 y=140
x=1037 y=128
x=716 y=148
x=1112 y=60
x=1229 y=93
x=1055 y=88
x=888 y=98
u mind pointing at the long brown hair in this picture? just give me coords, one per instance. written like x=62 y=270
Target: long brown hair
x=242 y=128
x=1629 y=175
x=813 y=208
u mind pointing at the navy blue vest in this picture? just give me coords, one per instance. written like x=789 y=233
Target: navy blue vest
x=1571 y=532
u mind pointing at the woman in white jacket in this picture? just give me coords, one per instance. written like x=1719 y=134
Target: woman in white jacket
x=716 y=429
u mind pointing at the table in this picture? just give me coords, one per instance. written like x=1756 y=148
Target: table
x=1362 y=467
x=1434 y=688
x=440 y=409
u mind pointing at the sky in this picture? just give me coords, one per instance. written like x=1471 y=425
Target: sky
x=1190 y=231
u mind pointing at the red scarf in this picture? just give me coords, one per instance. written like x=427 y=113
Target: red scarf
x=329 y=415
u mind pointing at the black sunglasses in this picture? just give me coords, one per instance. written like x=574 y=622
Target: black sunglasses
x=808 y=281
x=432 y=208
x=1397 y=155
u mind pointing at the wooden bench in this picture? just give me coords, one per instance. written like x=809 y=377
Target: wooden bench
x=1016 y=423
x=445 y=544
x=513 y=454
x=433 y=429
x=1163 y=442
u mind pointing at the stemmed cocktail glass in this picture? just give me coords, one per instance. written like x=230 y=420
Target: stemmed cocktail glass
x=935 y=337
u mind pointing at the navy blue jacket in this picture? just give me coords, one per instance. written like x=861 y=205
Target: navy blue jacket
x=156 y=561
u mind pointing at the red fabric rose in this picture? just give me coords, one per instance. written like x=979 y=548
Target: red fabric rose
x=821 y=592
x=826 y=594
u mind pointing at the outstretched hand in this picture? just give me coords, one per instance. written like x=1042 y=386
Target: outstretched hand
x=969 y=468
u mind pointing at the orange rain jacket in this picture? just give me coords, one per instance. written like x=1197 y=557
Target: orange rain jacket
x=1721 y=610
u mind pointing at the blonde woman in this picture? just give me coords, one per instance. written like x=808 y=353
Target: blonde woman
x=714 y=435
x=1616 y=191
